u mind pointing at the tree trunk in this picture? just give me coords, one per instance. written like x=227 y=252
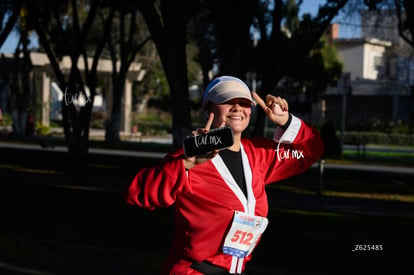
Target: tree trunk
x=170 y=40
x=76 y=119
x=174 y=61
x=113 y=127
x=233 y=31
x=21 y=93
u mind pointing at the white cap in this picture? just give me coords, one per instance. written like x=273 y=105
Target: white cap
x=224 y=88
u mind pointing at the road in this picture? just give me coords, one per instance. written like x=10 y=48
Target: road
x=157 y=155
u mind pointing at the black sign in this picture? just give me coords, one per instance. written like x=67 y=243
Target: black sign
x=218 y=138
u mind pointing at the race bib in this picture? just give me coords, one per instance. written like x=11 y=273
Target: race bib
x=244 y=234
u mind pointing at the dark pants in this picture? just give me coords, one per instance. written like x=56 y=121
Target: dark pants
x=209 y=269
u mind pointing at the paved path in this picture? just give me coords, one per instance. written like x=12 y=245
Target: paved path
x=357 y=167
x=278 y=198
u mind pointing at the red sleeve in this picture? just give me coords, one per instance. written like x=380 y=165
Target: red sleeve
x=293 y=152
x=159 y=185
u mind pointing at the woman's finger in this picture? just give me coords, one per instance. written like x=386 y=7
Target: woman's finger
x=209 y=122
x=285 y=105
x=260 y=101
x=200 y=131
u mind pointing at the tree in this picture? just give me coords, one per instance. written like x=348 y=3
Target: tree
x=286 y=54
x=279 y=51
x=202 y=32
x=405 y=13
x=168 y=31
x=123 y=45
x=10 y=11
x=401 y=9
x=406 y=22
x=22 y=65
x=17 y=76
x=62 y=30
x=280 y=46
x=232 y=21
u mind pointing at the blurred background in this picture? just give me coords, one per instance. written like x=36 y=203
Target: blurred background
x=91 y=91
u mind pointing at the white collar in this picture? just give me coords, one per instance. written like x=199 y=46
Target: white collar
x=249 y=204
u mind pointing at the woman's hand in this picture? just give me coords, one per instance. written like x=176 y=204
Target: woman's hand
x=190 y=162
x=275 y=107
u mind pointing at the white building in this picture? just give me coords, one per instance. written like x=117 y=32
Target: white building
x=364 y=58
x=51 y=96
x=380 y=86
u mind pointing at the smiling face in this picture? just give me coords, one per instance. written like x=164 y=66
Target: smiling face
x=234 y=113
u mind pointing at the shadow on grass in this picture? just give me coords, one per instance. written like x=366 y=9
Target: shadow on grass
x=49 y=226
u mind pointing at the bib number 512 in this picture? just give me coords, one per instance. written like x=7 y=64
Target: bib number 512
x=242 y=237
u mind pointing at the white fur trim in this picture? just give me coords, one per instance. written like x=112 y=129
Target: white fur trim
x=248 y=203
x=288 y=135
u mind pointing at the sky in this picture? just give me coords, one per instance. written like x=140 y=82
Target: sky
x=307 y=6
x=348 y=26
x=11 y=42
x=310 y=6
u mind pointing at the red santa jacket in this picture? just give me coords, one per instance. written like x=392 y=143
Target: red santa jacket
x=207 y=196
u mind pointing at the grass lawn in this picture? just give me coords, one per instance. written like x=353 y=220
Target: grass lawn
x=386 y=155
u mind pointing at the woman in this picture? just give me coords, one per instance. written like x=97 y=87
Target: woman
x=220 y=200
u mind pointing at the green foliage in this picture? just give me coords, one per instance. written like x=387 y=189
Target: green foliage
x=55 y=124
x=322 y=67
x=292 y=16
x=387 y=127
x=193 y=67
x=155 y=82
x=7 y=120
x=153 y=122
x=41 y=129
x=98 y=124
x=379 y=138
x=159 y=84
x=332 y=65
